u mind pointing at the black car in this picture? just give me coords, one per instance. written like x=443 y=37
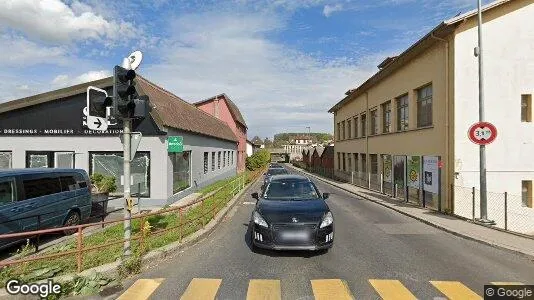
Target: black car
x=275 y=165
x=271 y=172
x=291 y=214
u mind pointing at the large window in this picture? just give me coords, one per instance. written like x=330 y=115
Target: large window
x=363 y=120
x=6 y=159
x=402 y=113
x=526 y=193
x=355 y=127
x=213 y=161
x=49 y=159
x=386 y=117
x=112 y=164
x=374 y=122
x=206 y=163
x=424 y=106
x=181 y=171
x=526 y=108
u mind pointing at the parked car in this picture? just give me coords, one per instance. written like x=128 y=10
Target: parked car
x=292 y=215
x=32 y=199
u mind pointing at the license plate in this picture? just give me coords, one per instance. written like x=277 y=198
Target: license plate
x=295 y=235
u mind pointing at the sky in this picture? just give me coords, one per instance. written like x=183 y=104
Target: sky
x=283 y=62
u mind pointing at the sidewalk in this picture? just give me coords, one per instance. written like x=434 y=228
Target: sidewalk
x=448 y=223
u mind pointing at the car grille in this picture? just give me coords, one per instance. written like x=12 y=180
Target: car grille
x=277 y=227
x=280 y=229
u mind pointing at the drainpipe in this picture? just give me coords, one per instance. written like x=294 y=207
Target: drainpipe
x=367 y=158
x=448 y=167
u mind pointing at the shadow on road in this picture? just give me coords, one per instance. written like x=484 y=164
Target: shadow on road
x=273 y=253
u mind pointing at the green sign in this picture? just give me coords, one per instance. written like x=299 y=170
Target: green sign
x=175 y=144
x=414 y=171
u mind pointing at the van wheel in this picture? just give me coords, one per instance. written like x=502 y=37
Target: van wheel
x=73 y=219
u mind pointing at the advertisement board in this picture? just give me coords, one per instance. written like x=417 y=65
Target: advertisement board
x=387 y=168
x=431 y=174
x=414 y=171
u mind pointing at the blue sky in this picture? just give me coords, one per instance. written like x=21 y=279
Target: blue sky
x=284 y=62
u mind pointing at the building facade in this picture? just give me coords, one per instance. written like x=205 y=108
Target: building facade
x=404 y=130
x=226 y=110
x=49 y=130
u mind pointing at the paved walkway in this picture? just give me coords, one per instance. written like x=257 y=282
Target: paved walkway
x=451 y=224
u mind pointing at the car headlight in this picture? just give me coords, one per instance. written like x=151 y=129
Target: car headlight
x=328 y=219
x=258 y=219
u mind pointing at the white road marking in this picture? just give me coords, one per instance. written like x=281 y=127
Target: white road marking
x=248 y=203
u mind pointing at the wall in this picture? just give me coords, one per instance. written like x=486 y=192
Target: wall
x=508 y=73
x=198 y=144
x=250 y=149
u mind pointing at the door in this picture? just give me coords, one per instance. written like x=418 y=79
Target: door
x=9 y=209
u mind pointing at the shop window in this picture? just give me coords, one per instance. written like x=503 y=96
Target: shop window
x=206 y=157
x=526 y=108
x=526 y=193
x=112 y=164
x=49 y=159
x=424 y=106
x=213 y=161
x=181 y=171
x=6 y=160
x=402 y=113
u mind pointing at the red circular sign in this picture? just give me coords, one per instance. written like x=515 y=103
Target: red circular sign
x=482 y=133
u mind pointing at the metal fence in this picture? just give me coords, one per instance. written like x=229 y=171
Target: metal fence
x=209 y=207
x=507 y=210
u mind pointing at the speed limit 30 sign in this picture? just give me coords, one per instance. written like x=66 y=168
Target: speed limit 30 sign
x=482 y=133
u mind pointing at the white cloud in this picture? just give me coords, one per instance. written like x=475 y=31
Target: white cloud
x=328 y=10
x=276 y=88
x=64 y=80
x=18 y=51
x=55 y=21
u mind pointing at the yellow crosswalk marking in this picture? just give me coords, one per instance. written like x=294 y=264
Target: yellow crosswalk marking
x=507 y=283
x=260 y=289
x=455 y=290
x=391 y=289
x=326 y=289
x=201 y=288
x=141 y=289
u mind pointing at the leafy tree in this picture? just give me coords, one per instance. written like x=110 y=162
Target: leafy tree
x=258 y=160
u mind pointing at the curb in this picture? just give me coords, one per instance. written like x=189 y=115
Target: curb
x=111 y=269
x=465 y=236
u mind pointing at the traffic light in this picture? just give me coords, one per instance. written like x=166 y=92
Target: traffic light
x=98 y=101
x=124 y=92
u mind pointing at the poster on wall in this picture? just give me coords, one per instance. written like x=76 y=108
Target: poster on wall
x=388 y=170
x=414 y=171
x=431 y=174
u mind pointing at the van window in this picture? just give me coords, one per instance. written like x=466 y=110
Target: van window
x=7 y=191
x=80 y=180
x=68 y=183
x=38 y=187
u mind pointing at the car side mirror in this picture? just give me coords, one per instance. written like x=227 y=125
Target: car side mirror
x=255 y=196
x=326 y=195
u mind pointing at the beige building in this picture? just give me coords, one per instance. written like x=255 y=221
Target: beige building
x=413 y=116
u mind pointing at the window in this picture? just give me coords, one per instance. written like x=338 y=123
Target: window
x=181 y=171
x=374 y=122
x=349 y=161
x=224 y=159
x=7 y=191
x=343 y=129
x=6 y=158
x=68 y=183
x=338 y=131
x=424 y=106
x=111 y=164
x=344 y=165
x=526 y=195
x=402 y=113
x=364 y=163
x=206 y=162
x=355 y=127
x=42 y=186
x=48 y=159
x=374 y=163
x=213 y=161
x=338 y=161
x=386 y=117
x=363 y=120
x=349 y=128
x=526 y=108
x=219 y=160
x=355 y=155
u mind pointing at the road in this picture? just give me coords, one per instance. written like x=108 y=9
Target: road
x=371 y=243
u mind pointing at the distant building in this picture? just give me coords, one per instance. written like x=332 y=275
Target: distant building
x=301 y=140
x=223 y=108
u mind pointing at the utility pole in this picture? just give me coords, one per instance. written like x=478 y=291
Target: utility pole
x=482 y=154
x=127 y=185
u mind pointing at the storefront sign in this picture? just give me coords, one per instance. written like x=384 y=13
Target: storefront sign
x=387 y=169
x=414 y=171
x=175 y=144
x=431 y=174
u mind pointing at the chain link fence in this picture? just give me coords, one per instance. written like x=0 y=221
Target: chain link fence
x=506 y=210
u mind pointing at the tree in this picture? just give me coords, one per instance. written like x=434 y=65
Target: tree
x=268 y=143
x=257 y=140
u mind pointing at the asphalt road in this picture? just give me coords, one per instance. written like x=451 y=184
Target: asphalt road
x=371 y=242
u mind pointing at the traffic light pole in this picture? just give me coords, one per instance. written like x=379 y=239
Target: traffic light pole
x=127 y=185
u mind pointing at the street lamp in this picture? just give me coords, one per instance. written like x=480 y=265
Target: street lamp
x=482 y=153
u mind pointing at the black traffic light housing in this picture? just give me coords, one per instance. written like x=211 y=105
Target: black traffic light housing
x=98 y=103
x=124 y=92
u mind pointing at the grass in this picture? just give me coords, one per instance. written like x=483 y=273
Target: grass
x=192 y=220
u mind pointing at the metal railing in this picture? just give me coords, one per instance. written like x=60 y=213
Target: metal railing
x=208 y=211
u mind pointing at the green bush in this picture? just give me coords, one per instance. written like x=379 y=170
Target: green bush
x=104 y=184
x=258 y=160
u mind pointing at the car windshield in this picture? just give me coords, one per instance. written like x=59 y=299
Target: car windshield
x=291 y=190
x=277 y=171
